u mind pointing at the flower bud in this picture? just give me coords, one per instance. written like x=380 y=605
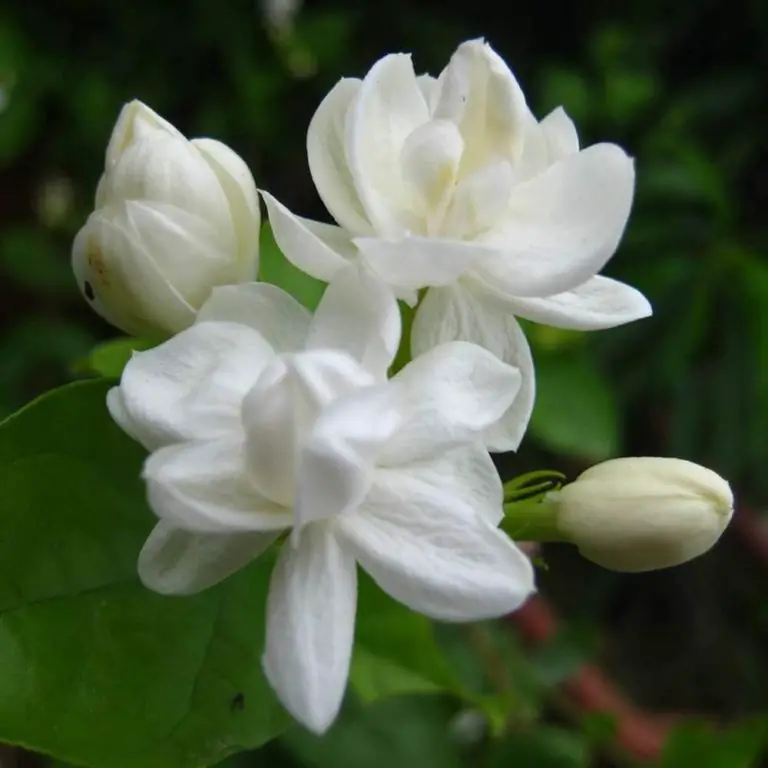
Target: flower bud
x=644 y=513
x=173 y=219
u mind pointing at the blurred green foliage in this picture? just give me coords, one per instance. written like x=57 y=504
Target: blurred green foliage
x=682 y=87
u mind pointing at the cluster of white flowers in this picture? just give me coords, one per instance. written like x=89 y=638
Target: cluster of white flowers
x=262 y=420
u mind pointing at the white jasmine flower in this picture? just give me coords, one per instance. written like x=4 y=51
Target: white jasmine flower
x=262 y=419
x=173 y=219
x=452 y=184
x=644 y=513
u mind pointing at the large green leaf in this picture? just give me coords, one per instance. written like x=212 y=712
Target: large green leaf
x=94 y=668
x=395 y=649
x=408 y=732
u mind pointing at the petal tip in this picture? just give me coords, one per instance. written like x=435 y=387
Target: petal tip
x=314 y=713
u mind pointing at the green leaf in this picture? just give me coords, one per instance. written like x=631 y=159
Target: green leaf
x=395 y=649
x=561 y=657
x=405 y=732
x=241 y=760
x=701 y=745
x=494 y=672
x=541 y=747
x=94 y=668
x=110 y=357
x=576 y=412
x=276 y=269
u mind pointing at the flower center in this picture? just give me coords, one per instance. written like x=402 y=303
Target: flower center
x=280 y=411
x=450 y=203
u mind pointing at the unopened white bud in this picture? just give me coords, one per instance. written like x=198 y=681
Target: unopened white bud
x=644 y=513
x=173 y=219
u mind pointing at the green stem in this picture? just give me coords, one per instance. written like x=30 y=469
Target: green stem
x=403 y=356
x=532 y=521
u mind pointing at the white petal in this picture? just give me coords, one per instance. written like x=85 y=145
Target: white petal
x=278 y=413
x=310 y=627
x=429 y=89
x=188 y=250
x=204 y=487
x=338 y=458
x=135 y=121
x=560 y=134
x=466 y=313
x=449 y=396
x=118 y=411
x=479 y=202
x=178 y=562
x=430 y=161
x=546 y=142
x=358 y=314
x=320 y=250
x=563 y=225
x=598 y=303
x=434 y=554
x=535 y=157
x=239 y=187
x=327 y=155
x=388 y=107
x=276 y=315
x=417 y=262
x=276 y=417
x=466 y=474
x=121 y=281
x=325 y=375
x=481 y=95
x=160 y=168
x=191 y=387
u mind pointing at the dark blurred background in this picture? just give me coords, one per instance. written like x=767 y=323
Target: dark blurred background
x=682 y=86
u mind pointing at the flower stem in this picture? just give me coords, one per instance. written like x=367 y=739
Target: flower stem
x=532 y=521
x=403 y=356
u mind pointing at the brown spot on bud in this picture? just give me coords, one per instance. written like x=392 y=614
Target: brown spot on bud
x=96 y=264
